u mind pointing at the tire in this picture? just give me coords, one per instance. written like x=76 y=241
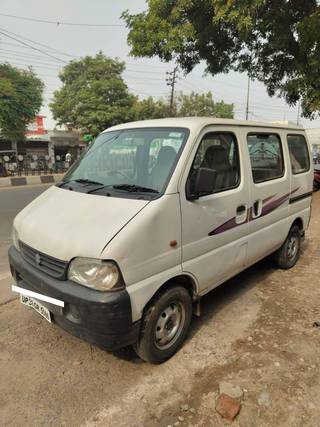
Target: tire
x=316 y=185
x=165 y=325
x=289 y=253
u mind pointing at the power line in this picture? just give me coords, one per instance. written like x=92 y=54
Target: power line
x=59 y=23
x=155 y=67
x=35 y=62
x=21 y=64
x=39 y=44
x=27 y=47
x=158 y=73
x=187 y=85
x=25 y=55
x=141 y=78
x=134 y=64
x=32 y=47
x=161 y=67
x=39 y=57
x=144 y=93
x=22 y=61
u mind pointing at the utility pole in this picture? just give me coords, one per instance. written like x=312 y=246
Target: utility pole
x=171 y=81
x=248 y=96
x=298 y=116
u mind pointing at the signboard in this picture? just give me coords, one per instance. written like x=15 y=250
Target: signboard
x=37 y=127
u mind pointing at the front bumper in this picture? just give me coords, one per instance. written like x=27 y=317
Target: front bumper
x=101 y=318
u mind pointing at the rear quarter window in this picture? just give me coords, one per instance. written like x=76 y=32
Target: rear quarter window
x=266 y=156
x=299 y=154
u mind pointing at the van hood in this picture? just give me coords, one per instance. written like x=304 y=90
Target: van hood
x=66 y=224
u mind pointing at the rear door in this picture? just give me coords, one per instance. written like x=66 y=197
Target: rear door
x=301 y=176
x=270 y=191
x=214 y=226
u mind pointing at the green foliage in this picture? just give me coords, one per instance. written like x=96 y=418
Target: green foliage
x=196 y=104
x=20 y=100
x=150 y=109
x=87 y=138
x=276 y=42
x=93 y=96
x=193 y=104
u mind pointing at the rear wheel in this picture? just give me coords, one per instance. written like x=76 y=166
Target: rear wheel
x=165 y=325
x=287 y=256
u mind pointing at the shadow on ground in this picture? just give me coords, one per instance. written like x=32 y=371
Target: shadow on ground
x=216 y=300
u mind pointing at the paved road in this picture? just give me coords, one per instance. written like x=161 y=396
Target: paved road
x=12 y=200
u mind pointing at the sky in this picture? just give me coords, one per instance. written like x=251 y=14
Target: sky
x=144 y=77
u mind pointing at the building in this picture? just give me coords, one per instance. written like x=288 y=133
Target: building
x=63 y=141
x=42 y=150
x=37 y=142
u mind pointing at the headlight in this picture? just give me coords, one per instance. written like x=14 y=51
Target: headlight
x=95 y=274
x=15 y=238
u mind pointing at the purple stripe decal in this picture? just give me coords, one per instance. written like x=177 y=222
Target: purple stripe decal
x=266 y=209
x=268 y=198
x=226 y=226
x=276 y=203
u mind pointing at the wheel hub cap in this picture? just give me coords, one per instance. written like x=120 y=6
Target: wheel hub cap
x=169 y=325
x=292 y=247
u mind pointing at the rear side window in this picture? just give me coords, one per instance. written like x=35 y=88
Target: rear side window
x=299 y=154
x=266 y=156
x=218 y=152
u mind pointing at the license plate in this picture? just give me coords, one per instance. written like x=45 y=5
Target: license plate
x=30 y=302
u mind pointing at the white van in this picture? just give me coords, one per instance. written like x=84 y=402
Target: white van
x=153 y=216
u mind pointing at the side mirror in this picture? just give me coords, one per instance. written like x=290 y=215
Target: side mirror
x=203 y=183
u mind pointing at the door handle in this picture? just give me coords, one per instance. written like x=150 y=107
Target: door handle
x=241 y=214
x=257 y=208
x=241 y=209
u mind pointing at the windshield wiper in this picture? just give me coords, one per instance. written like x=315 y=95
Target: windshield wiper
x=81 y=181
x=135 y=188
x=131 y=188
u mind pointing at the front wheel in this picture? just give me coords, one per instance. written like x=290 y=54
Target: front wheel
x=287 y=256
x=165 y=325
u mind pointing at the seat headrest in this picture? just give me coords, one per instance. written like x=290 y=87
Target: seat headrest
x=216 y=157
x=166 y=155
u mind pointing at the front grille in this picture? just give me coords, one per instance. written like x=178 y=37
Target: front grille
x=49 y=265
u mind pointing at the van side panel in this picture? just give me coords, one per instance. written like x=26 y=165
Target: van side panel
x=143 y=251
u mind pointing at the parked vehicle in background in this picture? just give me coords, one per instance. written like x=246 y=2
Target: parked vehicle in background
x=316 y=177
x=160 y=213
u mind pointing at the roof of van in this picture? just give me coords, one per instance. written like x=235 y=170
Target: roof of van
x=194 y=123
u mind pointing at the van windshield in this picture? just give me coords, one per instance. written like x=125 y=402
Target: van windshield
x=129 y=161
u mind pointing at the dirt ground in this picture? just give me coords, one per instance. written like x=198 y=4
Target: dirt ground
x=256 y=332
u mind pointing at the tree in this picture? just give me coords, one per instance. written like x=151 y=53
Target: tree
x=150 y=109
x=196 y=104
x=20 y=100
x=276 y=42
x=93 y=96
x=193 y=104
